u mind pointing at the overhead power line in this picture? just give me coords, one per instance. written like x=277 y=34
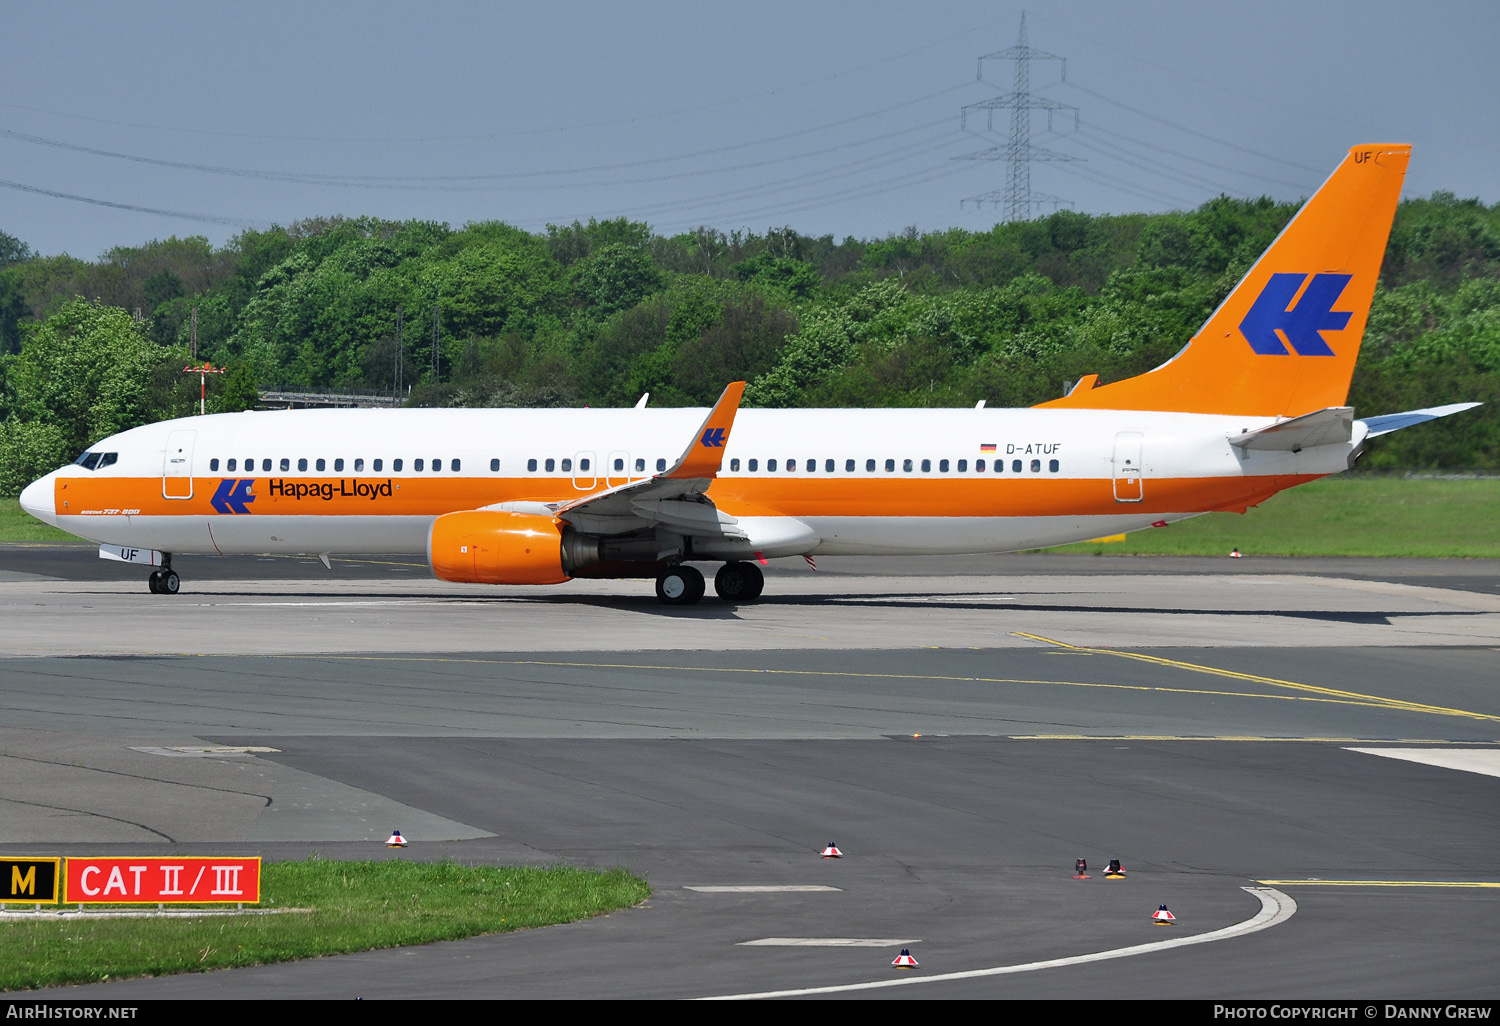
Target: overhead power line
x=232 y=222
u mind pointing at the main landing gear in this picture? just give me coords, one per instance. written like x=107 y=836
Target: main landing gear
x=164 y=581
x=735 y=582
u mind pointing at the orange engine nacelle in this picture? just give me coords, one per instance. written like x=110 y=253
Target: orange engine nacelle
x=495 y=547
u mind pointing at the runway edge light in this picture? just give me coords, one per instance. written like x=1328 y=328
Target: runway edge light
x=1081 y=869
x=904 y=960
x=395 y=840
x=1163 y=917
x=832 y=851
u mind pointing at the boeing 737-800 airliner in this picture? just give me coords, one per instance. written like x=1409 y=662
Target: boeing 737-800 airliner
x=1252 y=405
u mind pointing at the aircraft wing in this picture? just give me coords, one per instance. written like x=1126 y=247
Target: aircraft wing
x=674 y=498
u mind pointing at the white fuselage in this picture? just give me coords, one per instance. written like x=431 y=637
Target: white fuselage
x=799 y=481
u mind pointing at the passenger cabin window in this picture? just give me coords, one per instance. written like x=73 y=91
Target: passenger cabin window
x=454 y=466
x=963 y=466
x=302 y=463
x=551 y=465
x=567 y=466
x=1015 y=466
x=494 y=464
x=231 y=465
x=661 y=465
x=395 y=466
x=640 y=465
x=754 y=466
x=437 y=466
x=416 y=464
x=213 y=464
x=377 y=464
x=890 y=466
x=869 y=467
x=906 y=466
x=322 y=464
x=359 y=464
x=531 y=464
x=791 y=465
x=338 y=465
x=1053 y=466
x=943 y=466
x=734 y=466
x=1036 y=466
x=265 y=466
x=620 y=463
x=583 y=464
x=286 y=464
x=771 y=466
x=978 y=465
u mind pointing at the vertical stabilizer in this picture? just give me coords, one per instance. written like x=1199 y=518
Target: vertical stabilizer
x=1285 y=340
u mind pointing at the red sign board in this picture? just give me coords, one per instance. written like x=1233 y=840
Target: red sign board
x=154 y=880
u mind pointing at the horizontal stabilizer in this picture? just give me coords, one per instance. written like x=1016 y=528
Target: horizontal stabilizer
x=1396 y=421
x=1332 y=426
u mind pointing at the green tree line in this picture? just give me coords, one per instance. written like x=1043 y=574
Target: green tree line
x=600 y=312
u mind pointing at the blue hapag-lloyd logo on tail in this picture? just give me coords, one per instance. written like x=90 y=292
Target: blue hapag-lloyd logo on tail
x=1314 y=313
x=713 y=438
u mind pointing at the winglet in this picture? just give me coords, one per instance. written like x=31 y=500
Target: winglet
x=706 y=451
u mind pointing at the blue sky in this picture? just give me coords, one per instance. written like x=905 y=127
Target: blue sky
x=834 y=118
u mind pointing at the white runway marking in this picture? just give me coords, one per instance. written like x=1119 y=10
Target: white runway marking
x=1470 y=760
x=828 y=942
x=762 y=889
x=1275 y=907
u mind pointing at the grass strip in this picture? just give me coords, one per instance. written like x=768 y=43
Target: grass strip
x=1337 y=516
x=16 y=525
x=354 y=906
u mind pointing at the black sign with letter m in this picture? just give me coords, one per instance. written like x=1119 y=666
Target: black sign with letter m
x=29 y=880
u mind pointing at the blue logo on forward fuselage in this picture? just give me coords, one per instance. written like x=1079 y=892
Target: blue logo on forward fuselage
x=1302 y=324
x=233 y=495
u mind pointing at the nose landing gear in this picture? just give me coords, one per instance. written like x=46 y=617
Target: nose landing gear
x=164 y=581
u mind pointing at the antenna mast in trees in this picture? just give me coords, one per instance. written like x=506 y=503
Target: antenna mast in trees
x=1017 y=197
x=400 y=348
x=434 y=343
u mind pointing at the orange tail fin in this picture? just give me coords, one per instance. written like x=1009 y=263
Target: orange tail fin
x=1284 y=342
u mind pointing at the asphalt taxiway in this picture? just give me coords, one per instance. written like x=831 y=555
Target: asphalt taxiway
x=1298 y=757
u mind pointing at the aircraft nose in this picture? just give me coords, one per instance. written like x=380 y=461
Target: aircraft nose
x=38 y=499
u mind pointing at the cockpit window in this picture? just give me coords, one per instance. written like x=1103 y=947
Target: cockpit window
x=96 y=460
